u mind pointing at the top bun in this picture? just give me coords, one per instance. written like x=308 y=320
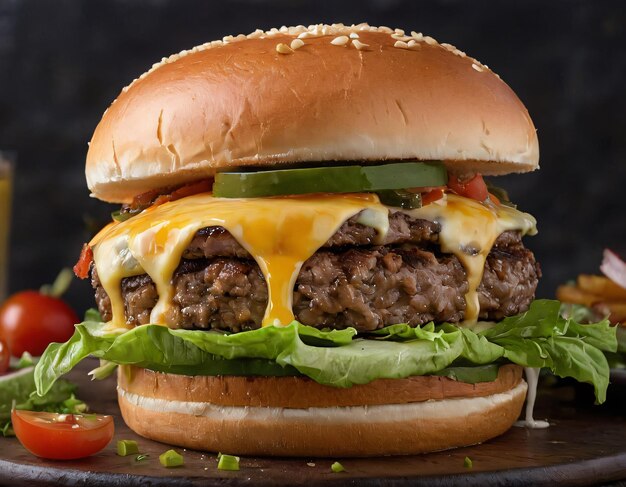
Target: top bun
x=254 y=101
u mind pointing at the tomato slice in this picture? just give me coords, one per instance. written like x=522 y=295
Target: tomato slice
x=62 y=436
x=474 y=188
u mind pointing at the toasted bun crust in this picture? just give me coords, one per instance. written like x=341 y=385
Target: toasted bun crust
x=201 y=414
x=241 y=102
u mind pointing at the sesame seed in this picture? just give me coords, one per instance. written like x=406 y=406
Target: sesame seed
x=310 y=464
x=399 y=31
x=256 y=34
x=413 y=44
x=417 y=35
x=283 y=48
x=340 y=41
x=429 y=40
x=354 y=35
x=477 y=67
x=296 y=44
x=401 y=45
x=399 y=37
x=359 y=45
x=227 y=38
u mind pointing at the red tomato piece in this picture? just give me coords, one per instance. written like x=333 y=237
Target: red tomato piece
x=62 y=436
x=474 y=188
x=81 y=269
x=431 y=196
x=5 y=357
x=29 y=321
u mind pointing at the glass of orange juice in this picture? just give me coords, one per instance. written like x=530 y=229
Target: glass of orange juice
x=6 y=180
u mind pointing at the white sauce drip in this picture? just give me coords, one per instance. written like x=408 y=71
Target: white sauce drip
x=532 y=377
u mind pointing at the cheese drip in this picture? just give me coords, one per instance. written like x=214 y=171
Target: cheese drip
x=280 y=233
x=468 y=231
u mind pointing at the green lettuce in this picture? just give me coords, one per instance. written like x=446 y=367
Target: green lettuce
x=16 y=388
x=538 y=338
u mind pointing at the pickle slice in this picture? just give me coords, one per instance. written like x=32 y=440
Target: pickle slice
x=400 y=198
x=337 y=179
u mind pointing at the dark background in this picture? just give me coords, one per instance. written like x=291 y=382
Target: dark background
x=62 y=62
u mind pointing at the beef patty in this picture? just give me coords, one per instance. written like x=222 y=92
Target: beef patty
x=351 y=281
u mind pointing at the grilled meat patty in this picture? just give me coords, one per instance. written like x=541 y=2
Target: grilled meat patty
x=353 y=280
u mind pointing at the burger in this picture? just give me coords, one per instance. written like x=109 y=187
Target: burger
x=308 y=261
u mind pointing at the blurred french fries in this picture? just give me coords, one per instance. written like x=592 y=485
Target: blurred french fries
x=599 y=293
x=573 y=294
x=601 y=286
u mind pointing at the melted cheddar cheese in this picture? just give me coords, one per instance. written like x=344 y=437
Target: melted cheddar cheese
x=281 y=233
x=469 y=230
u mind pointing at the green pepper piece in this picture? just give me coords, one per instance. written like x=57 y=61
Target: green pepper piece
x=337 y=467
x=127 y=447
x=227 y=462
x=171 y=458
x=400 y=198
x=338 y=179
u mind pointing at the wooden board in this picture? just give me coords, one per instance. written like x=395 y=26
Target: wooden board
x=584 y=445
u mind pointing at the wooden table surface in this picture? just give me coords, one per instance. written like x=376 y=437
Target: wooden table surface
x=584 y=445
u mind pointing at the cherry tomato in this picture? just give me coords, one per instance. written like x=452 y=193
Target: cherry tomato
x=29 y=321
x=474 y=188
x=5 y=357
x=62 y=436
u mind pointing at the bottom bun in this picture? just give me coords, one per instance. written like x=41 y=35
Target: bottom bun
x=462 y=415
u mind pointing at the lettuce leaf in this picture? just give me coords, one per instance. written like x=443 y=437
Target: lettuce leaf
x=538 y=338
x=17 y=387
x=541 y=337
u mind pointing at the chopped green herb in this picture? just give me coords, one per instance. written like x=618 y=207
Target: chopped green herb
x=127 y=447
x=227 y=462
x=337 y=467
x=171 y=458
x=467 y=463
x=139 y=458
x=7 y=429
x=74 y=405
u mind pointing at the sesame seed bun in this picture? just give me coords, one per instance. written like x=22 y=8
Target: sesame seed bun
x=294 y=416
x=264 y=99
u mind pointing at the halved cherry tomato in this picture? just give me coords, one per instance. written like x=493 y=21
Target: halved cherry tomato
x=29 y=321
x=5 y=357
x=62 y=436
x=474 y=188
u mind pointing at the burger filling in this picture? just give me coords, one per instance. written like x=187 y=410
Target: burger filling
x=350 y=282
